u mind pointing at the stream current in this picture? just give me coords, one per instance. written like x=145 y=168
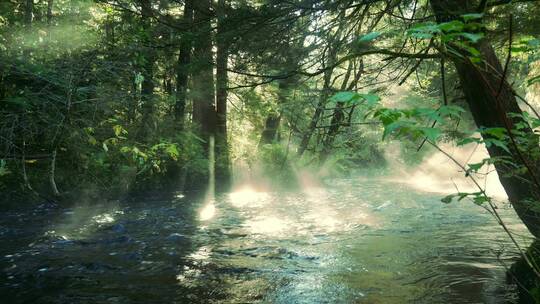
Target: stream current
x=357 y=240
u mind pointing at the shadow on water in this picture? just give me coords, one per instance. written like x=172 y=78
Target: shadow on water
x=104 y=253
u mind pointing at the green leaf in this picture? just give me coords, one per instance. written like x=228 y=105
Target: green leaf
x=172 y=151
x=431 y=133
x=369 y=37
x=92 y=140
x=473 y=37
x=117 y=130
x=495 y=132
x=371 y=99
x=104 y=145
x=448 y=199
x=480 y=199
x=390 y=128
x=472 y=16
x=452 y=26
x=344 y=97
x=421 y=35
x=476 y=167
x=451 y=110
x=501 y=144
x=469 y=140
x=424 y=30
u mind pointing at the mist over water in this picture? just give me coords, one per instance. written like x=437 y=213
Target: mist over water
x=362 y=239
x=439 y=174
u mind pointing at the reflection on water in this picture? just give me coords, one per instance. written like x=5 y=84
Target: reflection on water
x=358 y=241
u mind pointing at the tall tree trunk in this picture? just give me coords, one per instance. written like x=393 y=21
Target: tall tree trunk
x=147 y=87
x=28 y=19
x=29 y=12
x=271 y=126
x=204 y=112
x=182 y=68
x=333 y=129
x=323 y=99
x=49 y=11
x=222 y=56
x=273 y=120
x=338 y=116
x=493 y=105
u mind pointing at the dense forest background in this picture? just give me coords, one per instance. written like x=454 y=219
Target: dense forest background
x=111 y=98
x=116 y=115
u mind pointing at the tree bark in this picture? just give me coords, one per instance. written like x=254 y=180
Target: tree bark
x=492 y=103
x=147 y=87
x=338 y=116
x=29 y=12
x=204 y=112
x=323 y=99
x=49 y=11
x=271 y=126
x=273 y=120
x=182 y=68
x=222 y=56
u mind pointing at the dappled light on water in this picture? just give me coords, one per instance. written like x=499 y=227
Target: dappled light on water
x=104 y=218
x=268 y=225
x=208 y=211
x=247 y=196
x=355 y=242
x=82 y=221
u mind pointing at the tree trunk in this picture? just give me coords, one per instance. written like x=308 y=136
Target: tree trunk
x=491 y=101
x=29 y=12
x=147 y=87
x=204 y=113
x=318 y=112
x=338 y=115
x=335 y=123
x=49 y=11
x=271 y=126
x=222 y=56
x=273 y=120
x=182 y=68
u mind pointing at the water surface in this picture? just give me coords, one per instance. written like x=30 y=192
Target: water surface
x=355 y=240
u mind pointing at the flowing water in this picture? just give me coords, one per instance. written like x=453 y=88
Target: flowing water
x=358 y=240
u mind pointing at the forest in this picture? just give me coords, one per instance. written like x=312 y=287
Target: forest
x=270 y=151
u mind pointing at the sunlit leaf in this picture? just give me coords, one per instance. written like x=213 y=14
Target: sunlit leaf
x=452 y=26
x=369 y=37
x=371 y=99
x=344 y=97
x=431 y=133
x=472 y=16
x=473 y=37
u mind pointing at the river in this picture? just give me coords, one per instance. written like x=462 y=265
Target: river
x=356 y=240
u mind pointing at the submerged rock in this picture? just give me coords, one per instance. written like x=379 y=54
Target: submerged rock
x=118 y=228
x=176 y=237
